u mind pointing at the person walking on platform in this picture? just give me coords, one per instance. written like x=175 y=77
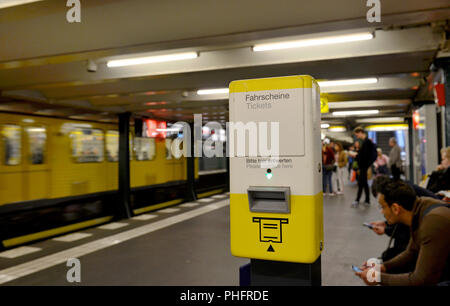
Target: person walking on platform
x=327 y=167
x=367 y=154
x=395 y=161
x=428 y=247
x=341 y=157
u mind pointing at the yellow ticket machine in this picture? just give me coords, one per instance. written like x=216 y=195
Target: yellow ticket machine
x=276 y=201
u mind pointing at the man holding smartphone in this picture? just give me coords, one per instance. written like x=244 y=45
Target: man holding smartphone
x=429 y=220
x=399 y=233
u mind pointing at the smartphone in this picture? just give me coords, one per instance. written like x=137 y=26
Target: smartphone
x=368 y=225
x=356 y=269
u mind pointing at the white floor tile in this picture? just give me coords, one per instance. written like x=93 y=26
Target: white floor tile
x=219 y=196
x=205 y=200
x=189 y=205
x=72 y=237
x=17 y=252
x=113 y=226
x=144 y=217
x=169 y=210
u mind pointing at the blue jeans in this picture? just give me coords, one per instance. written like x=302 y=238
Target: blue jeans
x=326 y=181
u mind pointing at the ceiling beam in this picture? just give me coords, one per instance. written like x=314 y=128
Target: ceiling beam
x=385 y=42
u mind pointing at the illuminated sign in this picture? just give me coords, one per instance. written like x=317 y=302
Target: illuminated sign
x=416 y=119
x=154 y=128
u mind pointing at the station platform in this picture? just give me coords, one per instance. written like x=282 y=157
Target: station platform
x=184 y=245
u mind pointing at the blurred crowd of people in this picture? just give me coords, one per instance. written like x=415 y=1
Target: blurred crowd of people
x=417 y=217
x=364 y=161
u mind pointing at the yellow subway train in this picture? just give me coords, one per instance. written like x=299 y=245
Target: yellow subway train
x=45 y=158
x=58 y=175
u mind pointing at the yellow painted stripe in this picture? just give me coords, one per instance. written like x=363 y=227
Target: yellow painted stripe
x=155 y=207
x=55 y=231
x=209 y=193
x=289 y=82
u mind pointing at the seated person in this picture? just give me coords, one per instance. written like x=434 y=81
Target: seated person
x=439 y=180
x=399 y=233
x=445 y=157
x=381 y=163
x=429 y=246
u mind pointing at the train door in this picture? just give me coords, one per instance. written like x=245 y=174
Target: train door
x=112 y=157
x=11 y=164
x=36 y=162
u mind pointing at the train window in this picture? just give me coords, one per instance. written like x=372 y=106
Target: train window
x=87 y=145
x=112 y=146
x=13 y=144
x=37 y=138
x=144 y=148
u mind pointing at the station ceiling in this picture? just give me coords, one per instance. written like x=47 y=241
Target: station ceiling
x=44 y=61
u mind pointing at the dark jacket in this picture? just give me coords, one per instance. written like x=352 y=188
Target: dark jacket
x=400 y=235
x=365 y=154
x=422 y=192
x=439 y=180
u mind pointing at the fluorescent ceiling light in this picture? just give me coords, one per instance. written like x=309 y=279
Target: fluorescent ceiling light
x=385 y=119
x=337 y=129
x=213 y=91
x=36 y=129
x=387 y=127
x=328 y=40
x=348 y=82
x=152 y=59
x=324 y=126
x=9 y=3
x=336 y=83
x=353 y=113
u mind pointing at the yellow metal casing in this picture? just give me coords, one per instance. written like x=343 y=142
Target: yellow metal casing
x=295 y=235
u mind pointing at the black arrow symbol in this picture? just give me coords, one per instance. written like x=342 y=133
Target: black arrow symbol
x=270 y=249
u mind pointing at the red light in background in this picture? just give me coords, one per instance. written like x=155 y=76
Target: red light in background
x=162 y=125
x=156 y=128
x=416 y=119
x=439 y=94
x=151 y=127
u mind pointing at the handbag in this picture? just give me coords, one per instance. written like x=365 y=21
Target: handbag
x=369 y=173
x=330 y=167
x=353 y=178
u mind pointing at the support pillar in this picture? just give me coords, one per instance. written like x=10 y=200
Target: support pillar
x=190 y=167
x=444 y=64
x=124 y=210
x=411 y=150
